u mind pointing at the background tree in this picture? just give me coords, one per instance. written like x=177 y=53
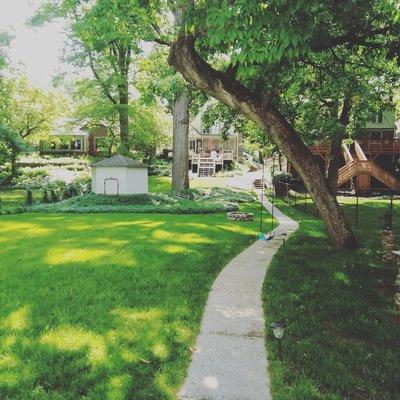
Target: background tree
x=148 y=124
x=29 y=112
x=159 y=83
x=258 y=39
x=11 y=145
x=330 y=97
x=105 y=37
x=5 y=40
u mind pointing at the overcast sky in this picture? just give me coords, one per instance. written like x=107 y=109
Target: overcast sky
x=36 y=52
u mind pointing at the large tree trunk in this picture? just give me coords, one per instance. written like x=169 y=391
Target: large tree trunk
x=227 y=89
x=335 y=154
x=333 y=163
x=180 y=146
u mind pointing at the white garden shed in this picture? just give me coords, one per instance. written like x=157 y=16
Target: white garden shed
x=119 y=175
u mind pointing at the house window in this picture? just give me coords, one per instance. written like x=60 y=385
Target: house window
x=76 y=144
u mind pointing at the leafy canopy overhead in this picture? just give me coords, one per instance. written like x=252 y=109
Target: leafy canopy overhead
x=258 y=33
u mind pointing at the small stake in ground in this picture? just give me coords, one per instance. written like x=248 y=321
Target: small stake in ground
x=278 y=328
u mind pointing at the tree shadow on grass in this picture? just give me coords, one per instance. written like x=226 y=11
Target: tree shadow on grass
x=342 y=340
x=106 y=306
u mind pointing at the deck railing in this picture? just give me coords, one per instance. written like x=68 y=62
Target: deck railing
x=223 y=155
x=369 y=146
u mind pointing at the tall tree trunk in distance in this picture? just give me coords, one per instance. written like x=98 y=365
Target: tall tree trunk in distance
x=234 y=94
x=335 y=154
x=124 y=60
x=123 y=113
x=180 y=146
x=14 y=167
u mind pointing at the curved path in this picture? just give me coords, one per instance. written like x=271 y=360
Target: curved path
x=230 y=361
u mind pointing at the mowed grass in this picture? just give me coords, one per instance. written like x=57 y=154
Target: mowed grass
x=163 y=183
x=158 y=183
x=106 y=306
x=343 y=332
x=16 y=197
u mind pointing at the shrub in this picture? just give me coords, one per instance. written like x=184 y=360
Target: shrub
x=198 y=202
x=39 y=161
x=89 y=200
x=161 y=167
x=181 y=207
x=13 y=210
x=32 y=180
x=283 y=177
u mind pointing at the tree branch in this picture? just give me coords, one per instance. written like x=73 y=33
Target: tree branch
x=101 y=82
x=160 y=39
x=353 y=38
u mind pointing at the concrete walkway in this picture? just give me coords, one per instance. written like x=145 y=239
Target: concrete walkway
x=230 y=361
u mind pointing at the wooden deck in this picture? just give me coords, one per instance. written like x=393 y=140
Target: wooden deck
x=206 y=165
x=371 y=148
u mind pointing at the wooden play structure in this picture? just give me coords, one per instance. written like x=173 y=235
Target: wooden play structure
x=361 y=169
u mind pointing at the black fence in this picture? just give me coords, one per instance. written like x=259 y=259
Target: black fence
x=299 y=197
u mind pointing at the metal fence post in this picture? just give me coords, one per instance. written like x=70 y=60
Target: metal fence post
x=356 y=209
x=272 y=215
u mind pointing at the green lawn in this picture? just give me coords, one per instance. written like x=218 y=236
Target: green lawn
x=342 y=338
x=16 y=197
x=163 y=183
x=159 y=183
x=106 y=306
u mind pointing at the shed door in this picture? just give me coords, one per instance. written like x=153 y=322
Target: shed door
x=111 y=186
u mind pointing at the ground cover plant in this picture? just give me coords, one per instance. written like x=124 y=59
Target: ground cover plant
x=193 y=201
x=106 y=306
x=342 y=336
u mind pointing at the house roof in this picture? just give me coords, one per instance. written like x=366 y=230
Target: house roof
x=120 y=161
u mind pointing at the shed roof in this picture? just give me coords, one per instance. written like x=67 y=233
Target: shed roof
x=120 y=161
